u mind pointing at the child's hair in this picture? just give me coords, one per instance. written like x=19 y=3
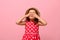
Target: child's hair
x=37 y=12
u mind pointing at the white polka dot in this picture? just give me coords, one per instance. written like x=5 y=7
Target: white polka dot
x=28 y=29
x=27 y=39
x=28 y=24
x=29 y=36
x=38 y=39
x=26 y=36
x=31 y=39
x=35 y=29
x=31 y=29
x=35 y=37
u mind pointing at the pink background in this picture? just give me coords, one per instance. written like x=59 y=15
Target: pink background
x=11 y=10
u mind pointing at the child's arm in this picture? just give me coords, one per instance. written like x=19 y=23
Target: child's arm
x=20 y=22
x=41 y=22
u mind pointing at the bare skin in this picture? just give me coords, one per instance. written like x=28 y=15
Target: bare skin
x=31 y=15
x=20 y=22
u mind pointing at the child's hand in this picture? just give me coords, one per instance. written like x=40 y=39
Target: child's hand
x=27 y=15
x=35 y=15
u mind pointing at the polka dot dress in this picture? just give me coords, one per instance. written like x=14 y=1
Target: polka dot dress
x=31 y=31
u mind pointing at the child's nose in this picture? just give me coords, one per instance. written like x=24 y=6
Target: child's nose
x=31 y=14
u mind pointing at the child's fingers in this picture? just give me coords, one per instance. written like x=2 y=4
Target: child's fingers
x=27 y=15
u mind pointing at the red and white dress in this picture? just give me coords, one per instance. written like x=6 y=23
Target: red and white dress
x=31 y=31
